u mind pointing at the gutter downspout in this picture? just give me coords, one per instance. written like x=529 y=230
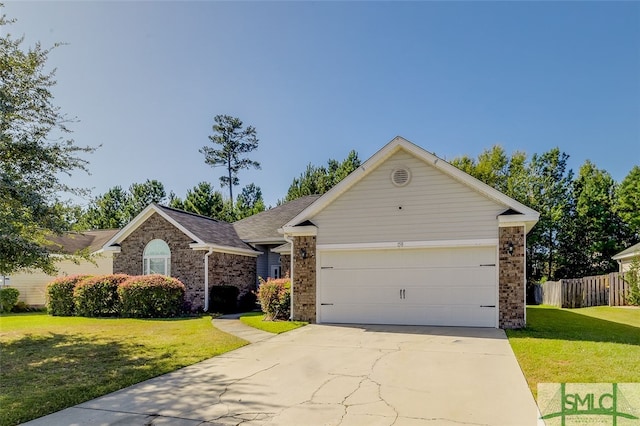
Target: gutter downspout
x=206 y=279
x=290 y=241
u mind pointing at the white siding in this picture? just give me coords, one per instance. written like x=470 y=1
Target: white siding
x=33 y=286
x=434 y=207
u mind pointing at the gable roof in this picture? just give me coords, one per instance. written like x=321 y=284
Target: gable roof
x=204 y=231
x=263 y=227
x=72 y=242
x=523 y=214
x=628 y=253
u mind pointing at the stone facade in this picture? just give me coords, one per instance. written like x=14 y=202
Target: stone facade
x=304 y=279
x=187 y=264
x=511 y=278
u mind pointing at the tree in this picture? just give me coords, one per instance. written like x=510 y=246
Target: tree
x=249 y=201
x=35 y=151
x=109 y=210
x=117 y=207
x=143 y=194
x=204 y=200
x=318 y=180
x=233 y=142
x=628 y=201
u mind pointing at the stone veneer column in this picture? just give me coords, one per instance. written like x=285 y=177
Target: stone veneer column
x=304 y=279
x=511 y=277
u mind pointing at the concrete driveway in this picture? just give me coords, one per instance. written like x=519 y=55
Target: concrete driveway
x=332 y=375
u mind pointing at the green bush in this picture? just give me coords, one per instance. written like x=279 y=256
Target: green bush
x=248 y=302
x=632 y=277
x=275 y=298
x=151 y=296
x=60 y=294
x=8 y=298
x=223 y=299
x=98 y=296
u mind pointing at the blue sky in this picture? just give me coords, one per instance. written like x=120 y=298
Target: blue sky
x=318 y=79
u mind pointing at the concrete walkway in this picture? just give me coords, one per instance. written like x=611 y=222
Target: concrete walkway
x=332 y=375
x=232 y=325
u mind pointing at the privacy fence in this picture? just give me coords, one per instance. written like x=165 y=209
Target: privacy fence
x=600 y=290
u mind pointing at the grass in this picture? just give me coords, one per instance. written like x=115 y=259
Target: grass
x=587 y=345
x=256 y=320
x=50 y=363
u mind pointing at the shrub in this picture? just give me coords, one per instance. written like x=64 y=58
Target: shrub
x=98 y=296
x=8 y=298
x=23 y=307
x=248 y=302
x=223 y=299
x=60 y=294
x=151 y=296
x=275 y=298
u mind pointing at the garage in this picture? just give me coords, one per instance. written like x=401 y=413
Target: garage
x=453 y=286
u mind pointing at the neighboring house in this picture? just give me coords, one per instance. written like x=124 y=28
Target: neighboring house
x=261 y=232
x=33 y=285
x=408 y=238
x=199 y=251
x=626 y=257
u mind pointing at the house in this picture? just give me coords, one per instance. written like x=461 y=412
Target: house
x=626 y=257
x=408 y=238
x=203 y=252
x=199 y=251
x=261 y=232
x=32 y=285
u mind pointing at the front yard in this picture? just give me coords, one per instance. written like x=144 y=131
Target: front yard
x=50 y=363
x=598 y=344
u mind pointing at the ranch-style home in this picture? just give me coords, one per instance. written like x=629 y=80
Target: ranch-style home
x=406 y=238
x=626 y=257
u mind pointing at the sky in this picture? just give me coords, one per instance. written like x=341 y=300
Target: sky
x=318 y=79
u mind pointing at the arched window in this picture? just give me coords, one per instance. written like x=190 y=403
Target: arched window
x=156 y=258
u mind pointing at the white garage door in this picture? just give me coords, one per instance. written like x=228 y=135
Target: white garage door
x=439 y=286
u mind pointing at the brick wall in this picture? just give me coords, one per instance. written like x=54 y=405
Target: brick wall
x=285 y=265
x=187 y=265
x=304 y=285
x=232 y=269
x=511 y=278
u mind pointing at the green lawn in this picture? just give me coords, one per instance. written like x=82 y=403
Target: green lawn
x=50 y=363
x=256 y=320
x=587 y=345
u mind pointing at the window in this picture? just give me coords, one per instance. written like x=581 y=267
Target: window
x=156 y=258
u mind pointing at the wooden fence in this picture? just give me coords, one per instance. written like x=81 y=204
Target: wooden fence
x=600 y=290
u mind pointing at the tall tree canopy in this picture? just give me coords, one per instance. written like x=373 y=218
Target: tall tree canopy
x=320 y=179
x=116 y=207
x=35 y=151
x=579 y=227
x=231 y=143
x=628 y=201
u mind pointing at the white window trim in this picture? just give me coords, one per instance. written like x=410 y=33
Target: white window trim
x=165 y=258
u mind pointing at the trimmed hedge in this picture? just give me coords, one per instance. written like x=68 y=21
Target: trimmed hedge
x=98 y=296
x=275 y=298
x=8 y=298
x=60 y=295
x=223 y=299
x=151 y=296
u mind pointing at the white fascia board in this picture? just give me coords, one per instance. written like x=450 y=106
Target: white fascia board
x=224 y=249
x=391 y=148
x=387 y=245
x=111 y=249
x=265 y=241
x=300 y=231
x=528 y=221
x=626 y=256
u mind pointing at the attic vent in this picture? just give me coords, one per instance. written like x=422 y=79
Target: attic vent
x=400 y=177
